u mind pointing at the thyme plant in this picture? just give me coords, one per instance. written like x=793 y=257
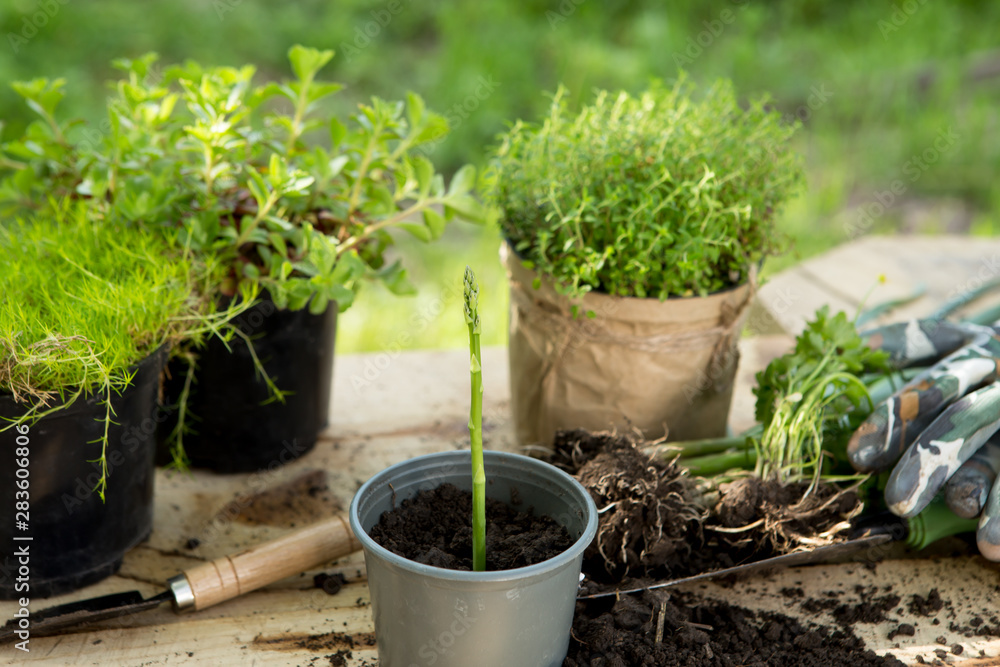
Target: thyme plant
x=476 y=423
x=667 y=193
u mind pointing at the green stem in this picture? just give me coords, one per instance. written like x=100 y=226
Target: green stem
x=177 y=452
x=693 y=448
x=476 y=424
x=245 y=233
x=708 y=466
x=392 y=220
x=300 y=111
x=352 y=200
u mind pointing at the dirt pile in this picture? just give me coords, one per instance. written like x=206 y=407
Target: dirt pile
x=661 y=629
x=655 y=524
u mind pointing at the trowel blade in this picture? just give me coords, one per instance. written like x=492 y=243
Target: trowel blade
x=71 y=614
x=816 y=555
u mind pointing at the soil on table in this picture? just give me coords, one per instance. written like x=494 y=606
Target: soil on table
x=655 y=526
x=435 y=528
x=667 y=629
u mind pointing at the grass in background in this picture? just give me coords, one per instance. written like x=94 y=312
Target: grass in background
x=874 y=85
x=379 y=320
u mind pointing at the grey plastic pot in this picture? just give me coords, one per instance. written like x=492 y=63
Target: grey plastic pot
x=427 y=615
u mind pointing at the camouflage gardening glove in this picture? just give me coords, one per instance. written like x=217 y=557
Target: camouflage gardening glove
x=935 y=429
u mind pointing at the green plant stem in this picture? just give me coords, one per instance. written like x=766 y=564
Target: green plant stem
x=478 y=468
x=7 y=163
x=245 y=233
x=392 y=220
x=714 y=464
x=693 y=448
x=352 y=201
x=177 y=452
x=301 y=104
x=476 y=425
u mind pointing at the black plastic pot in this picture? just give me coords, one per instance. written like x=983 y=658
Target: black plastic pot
x=76 y=539
x=238 y=428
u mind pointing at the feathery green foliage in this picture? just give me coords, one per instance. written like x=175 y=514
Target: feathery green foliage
x=82 y=302
x=664 y=194
x=476 y=422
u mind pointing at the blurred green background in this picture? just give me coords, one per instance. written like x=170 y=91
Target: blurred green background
x=875 y=84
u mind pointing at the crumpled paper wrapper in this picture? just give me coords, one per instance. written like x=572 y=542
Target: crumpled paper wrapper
x=664 y=367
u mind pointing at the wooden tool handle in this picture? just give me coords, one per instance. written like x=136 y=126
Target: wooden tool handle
x=231 y=576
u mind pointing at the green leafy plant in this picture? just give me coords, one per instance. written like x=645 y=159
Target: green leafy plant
x=82 y=302
x=657 y=195
x=284 y=195
x=811 y=391
x=257 y=178
x=476 y=423
x=809 y=402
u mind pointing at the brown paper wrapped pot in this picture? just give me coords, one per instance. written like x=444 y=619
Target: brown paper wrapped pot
x=664 y=367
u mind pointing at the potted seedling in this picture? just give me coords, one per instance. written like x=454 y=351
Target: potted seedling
x=87 y=314
x=634 y=228
x=465 y=568
x=284 y=195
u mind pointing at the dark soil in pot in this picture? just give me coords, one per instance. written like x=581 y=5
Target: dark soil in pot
x=435 y=528
x=237 y=426
x=76 y=538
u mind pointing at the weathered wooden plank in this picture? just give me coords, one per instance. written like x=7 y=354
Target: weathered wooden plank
x=842 y=277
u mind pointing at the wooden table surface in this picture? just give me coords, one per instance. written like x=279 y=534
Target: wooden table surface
x=387 y=408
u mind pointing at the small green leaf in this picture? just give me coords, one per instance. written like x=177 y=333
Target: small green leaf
x=467 y=208
x=306 y=62
x=337 y=165
x=395 y=279
x=337 y=132
x=418 y=230
x=463 y=181
x=318 y=304
x=414 y=109
x=318 y=91
x=435 y=222
x=424 y=171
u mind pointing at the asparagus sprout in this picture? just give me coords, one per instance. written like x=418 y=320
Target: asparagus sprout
x=476 y=424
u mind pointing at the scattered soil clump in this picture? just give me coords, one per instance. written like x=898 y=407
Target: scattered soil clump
x=926 y=606
x=435 y=528
x=657 y=628
x=330 y=583
x=871 y=609
x=977 y=628
x=904 y=630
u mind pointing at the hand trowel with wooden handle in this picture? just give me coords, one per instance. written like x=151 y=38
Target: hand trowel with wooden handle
x=209 y=583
